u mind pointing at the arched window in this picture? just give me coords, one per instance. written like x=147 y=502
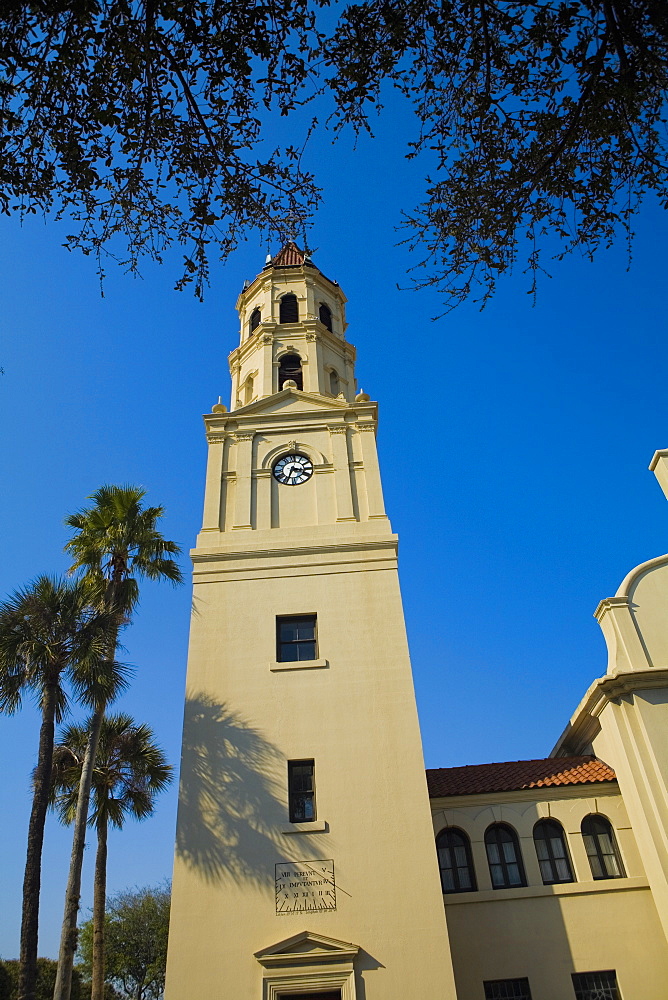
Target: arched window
x=334 y=385
x=254 y=321
x=289 y=309
x=326 y=316
x=503 y=855
x=599 y=841
x=455 y=861
x=290 y=368
x=248 y=390
x=548 y=836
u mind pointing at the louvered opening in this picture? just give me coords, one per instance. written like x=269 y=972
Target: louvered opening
x=254 y=320
x=290 y=368
x=289 y=309
x=326 y=316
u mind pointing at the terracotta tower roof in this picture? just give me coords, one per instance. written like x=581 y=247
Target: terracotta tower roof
x=289 y=256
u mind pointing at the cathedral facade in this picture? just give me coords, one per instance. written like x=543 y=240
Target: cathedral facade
x=315 y=860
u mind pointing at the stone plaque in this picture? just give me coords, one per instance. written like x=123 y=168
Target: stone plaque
x=305 y=885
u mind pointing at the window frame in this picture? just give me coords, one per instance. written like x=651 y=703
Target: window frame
x=583 y=991
x=503 y=862
x=294 y=794
x=296 y=643
x=522 y=982
x=446 y=833
x=551 y=860
x=599 y=854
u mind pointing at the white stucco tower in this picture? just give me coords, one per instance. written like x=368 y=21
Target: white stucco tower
x=305 y=862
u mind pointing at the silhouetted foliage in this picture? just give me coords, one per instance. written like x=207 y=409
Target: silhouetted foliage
x=535 y=118
x=142 y=119
x=147 y=120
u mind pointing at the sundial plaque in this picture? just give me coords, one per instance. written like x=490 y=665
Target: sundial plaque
x=303 y=886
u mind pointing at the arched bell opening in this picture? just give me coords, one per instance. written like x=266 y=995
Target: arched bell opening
x=289 y=309
x=290 y=367
x=254 y=321
x=325 y=316
x=334 y=382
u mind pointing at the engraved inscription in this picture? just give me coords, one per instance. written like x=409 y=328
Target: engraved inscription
x=305 y=885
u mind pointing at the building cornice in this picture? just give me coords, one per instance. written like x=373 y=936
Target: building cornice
x=593 y=888
x=201 y=555
x=540 y=793
x=625 y=588
x=584 y=724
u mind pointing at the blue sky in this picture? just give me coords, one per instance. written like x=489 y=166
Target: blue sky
x=514 y=447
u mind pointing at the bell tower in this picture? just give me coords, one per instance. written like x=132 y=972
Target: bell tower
x=305 y=863
x=292 y=326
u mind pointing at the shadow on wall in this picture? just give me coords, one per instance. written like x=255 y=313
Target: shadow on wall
x=232 y=802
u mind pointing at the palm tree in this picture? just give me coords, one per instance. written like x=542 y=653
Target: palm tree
x=50 y=637
x=115 y=543
x=130 y=770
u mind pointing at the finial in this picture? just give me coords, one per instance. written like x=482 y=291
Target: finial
x=267 y=259
x=290 y=384
x=362 y=397
x=219 y=407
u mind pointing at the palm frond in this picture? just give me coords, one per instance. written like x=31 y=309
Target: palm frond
x=130 y=771
x=116 y=540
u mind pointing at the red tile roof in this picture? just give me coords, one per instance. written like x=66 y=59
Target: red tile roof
x=289 y=256
x=474 y=779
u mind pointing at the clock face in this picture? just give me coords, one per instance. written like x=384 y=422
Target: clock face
x=293 y=470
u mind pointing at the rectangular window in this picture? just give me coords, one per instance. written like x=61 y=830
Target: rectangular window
x=301 y=790
x=296 y=638
x=596 y=985
x=507 y=989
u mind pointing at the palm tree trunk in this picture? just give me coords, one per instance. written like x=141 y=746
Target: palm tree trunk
x=68 y=934
x=99 y=907
x=33 y=869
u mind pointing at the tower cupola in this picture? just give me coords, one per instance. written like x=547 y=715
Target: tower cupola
x=291 y=333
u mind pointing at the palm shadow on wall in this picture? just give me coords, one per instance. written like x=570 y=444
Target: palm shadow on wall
x=232 y=798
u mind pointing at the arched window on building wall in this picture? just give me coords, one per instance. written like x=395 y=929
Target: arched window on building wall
x=290 y=368
x=555 y=866
x=334 y=384
x=504 y=857
x=248 y=390
x=325 y=314
x=254 y=320
x=455 y=861
x=601 y=847
x=288 y=309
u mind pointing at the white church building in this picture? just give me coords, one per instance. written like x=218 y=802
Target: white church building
x=315 y=859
